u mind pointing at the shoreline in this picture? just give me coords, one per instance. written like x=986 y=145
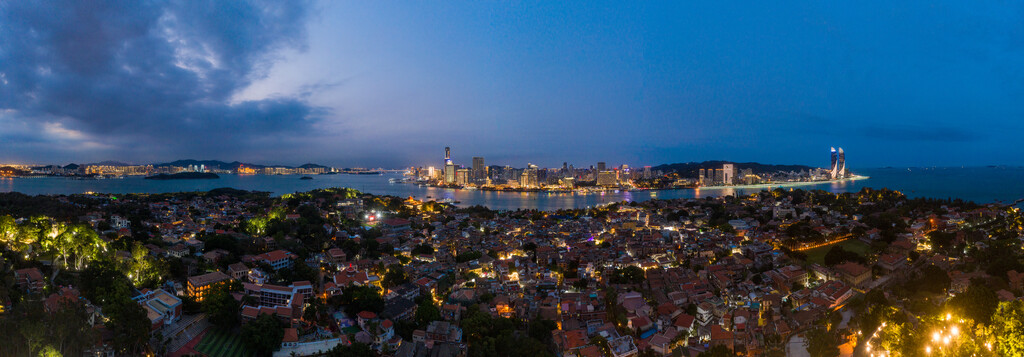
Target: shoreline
x=782 y=184
x=735 y=187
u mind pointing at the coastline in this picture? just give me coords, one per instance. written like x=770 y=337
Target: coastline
x=698 y=188
x=782 y=184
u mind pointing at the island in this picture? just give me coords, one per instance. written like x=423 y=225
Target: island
x=185 y=176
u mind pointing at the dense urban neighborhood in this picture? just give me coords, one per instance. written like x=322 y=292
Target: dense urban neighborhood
x=336 y=272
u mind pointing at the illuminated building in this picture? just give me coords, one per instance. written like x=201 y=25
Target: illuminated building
x=242 y=170
x=449 y=167
x=728 y=173
x=462 y=177
x=600 y=166
x=701 y=175
x=529 y=178
x=276 y=295
x=199 y=286
x=607 y=178
x=834 y=162
x=841 y=165
x=479 y=170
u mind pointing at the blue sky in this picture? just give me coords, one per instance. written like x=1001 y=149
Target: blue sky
x=391 y=83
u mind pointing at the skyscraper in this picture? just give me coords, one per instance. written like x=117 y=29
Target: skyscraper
x=832 y=170
x=449 y=167
x=728 y=173
x=479 y=170
x=701 y=175
x=600 y=166
x=841 y=164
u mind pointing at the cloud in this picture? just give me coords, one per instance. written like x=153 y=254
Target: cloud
x=148 y=77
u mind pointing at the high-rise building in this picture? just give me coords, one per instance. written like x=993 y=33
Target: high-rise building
x=728 y=173
x=841 y=164
x=462 y=177
x=600 y=166
x=833 y=171
x=607 y=178
x=529 y=178
x=701 y=175
x=449 y=167
x=479 y=170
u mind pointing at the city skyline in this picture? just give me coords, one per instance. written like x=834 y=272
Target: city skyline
x=382 y=85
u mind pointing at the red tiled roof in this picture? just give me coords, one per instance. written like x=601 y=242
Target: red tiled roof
x=290 y=335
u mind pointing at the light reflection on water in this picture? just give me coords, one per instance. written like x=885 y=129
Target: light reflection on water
x=978 y=184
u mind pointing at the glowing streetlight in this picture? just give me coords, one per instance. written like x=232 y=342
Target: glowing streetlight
x=936 y=336
x=954 y=330
x=928 y=349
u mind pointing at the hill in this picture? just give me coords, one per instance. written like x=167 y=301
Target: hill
x=690 y=169
x=109 y=163
x=313 y=166
x=184 y=176
x=228 y=165
x=210 y=163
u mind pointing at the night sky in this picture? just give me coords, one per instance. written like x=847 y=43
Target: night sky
x=378 y=83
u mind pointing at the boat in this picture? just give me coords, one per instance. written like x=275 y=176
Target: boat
x=305 y=178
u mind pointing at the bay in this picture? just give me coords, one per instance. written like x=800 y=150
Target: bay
x=979 y=184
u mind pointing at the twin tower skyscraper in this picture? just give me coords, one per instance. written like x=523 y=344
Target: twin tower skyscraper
x=838 y=164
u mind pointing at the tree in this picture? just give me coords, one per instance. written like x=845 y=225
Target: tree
x=128 y=321
x=821 y=343
x=355 y=350
x=426 y=312
x=422 y=249
x=395 y=276
x=85 y=244
x=1008 y=325
x=717 y=351
x=933 y=279
x=837 y=255
x=221 y=308
x=28 y=329
x=264 y=334
x=359 y=298
x=628 y=275
x=977 y=303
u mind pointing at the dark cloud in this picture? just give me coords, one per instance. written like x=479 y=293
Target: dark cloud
x=149 y=75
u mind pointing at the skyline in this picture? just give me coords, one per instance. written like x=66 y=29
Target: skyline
x=385 y=85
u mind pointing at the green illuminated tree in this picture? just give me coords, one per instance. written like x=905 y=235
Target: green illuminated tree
x=977 y=303
x=1008 y=325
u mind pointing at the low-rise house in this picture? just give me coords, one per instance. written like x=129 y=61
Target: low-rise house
x=30 y=279
x=200 y=285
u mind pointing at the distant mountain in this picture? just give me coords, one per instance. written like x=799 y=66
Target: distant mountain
x=72 y=166
x=229 y=165
x=209 y=163
x=108 y=163
x=313 y=166
x=690 y=169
